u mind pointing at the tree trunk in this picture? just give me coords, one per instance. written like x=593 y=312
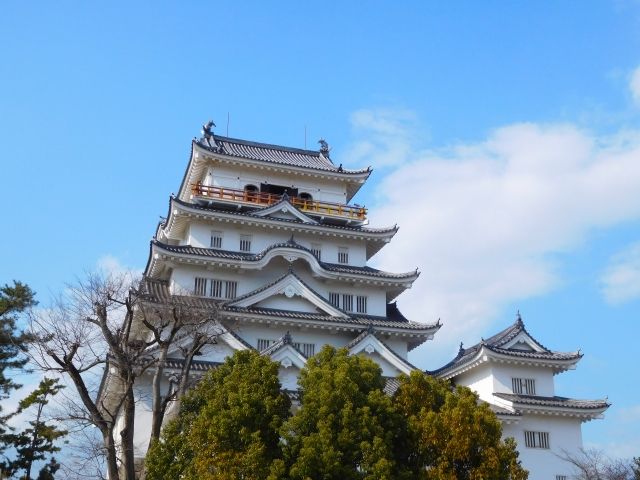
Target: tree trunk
x=157 y=401
x=110 y=447
x=126 y=435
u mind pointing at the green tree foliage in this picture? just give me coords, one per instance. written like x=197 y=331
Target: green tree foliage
x=36 y=442
x=14 y=299
x=228 y=426
x=346 y=426
x=451 y=435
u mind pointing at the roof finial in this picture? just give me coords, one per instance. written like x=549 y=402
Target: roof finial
x=286 y=338
x=324 y=147
x=370 y=328
x=461 y=349
x=519 y=321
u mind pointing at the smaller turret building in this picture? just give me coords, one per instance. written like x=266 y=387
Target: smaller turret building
x=514 y=373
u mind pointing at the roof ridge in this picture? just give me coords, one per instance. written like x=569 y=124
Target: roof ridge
x=271 y=146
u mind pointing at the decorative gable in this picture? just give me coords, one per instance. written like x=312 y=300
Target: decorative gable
x=284 y=210
x=288 y=287
x=368 y=343
x=524 y=342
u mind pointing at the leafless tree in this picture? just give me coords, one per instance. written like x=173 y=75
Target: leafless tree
x=594 y=464
x=115 y=324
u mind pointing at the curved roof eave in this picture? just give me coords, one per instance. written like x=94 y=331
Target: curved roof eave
x=261 y=259
x=375 y=233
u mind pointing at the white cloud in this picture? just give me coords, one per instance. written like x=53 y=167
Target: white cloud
x=634 y=85
x=621 y=280
x=483 y=220
x=383 y=137
x=111 y=265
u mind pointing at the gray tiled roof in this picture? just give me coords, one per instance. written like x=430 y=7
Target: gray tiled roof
x=497 y=341
x=562 y=402
x=158 y=291
x=251 y=215
x=196 y=365
x=281 y=343
x=356 y=319
x=276 y=154
x=254 y=257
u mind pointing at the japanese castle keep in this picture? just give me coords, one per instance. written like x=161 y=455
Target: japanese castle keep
x=271 y=237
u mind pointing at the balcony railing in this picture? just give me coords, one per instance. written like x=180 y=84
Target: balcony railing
x=266 y=199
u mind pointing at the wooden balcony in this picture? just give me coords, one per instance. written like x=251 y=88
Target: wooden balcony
x=311 y=207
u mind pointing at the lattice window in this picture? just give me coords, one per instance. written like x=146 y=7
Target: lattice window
x=216 y=239
x=334 y=299
x=561 y=477
x=215 y=290
x=200 y=287
x=231 y=289
x=264 y=343
x=210 y=287
x=343 y=255
x=526 y=386
x=308 y=349
x=347 y=302
x=536 y=439
x=316 y=249
x=361 y=304
x=245 y=243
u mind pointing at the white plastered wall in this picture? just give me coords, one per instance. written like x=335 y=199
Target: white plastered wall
x=564 y=436
x=199 y=235
x=237 y=177
x=183 y=280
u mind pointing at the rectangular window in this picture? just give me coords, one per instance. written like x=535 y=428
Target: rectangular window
x=526 y=386
x=245 y=243
x=231 y=288
x=308 y=349
x=216 y=239
x=361 y=304
x=536 y=439
x=264 y=343
x=210 y=287
x=343 y=255
x=201 y=287
x=347 y=302
x=316 y=249
x=215 y=290
x=334 y=299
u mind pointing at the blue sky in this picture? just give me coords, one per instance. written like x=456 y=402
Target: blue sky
x=505 y=139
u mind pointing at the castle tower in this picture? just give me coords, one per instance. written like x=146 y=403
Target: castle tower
x=514 y=373
x=267 y=235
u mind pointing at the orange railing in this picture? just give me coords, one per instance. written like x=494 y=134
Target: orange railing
x=266 y=199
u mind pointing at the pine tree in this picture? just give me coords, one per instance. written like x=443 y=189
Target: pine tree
x=36 y=442
x=13 y=300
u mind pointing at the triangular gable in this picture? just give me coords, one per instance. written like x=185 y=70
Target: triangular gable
x=226 y=342
x=284 y=209
x=287 y=355
x=523 y=342
x=289 y=286
x=370 y=344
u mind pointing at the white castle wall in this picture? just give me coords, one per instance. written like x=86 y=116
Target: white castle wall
x=199 y=235
x=183 y=280
x=237 y=177
x=543 y=377
x=564 y=436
